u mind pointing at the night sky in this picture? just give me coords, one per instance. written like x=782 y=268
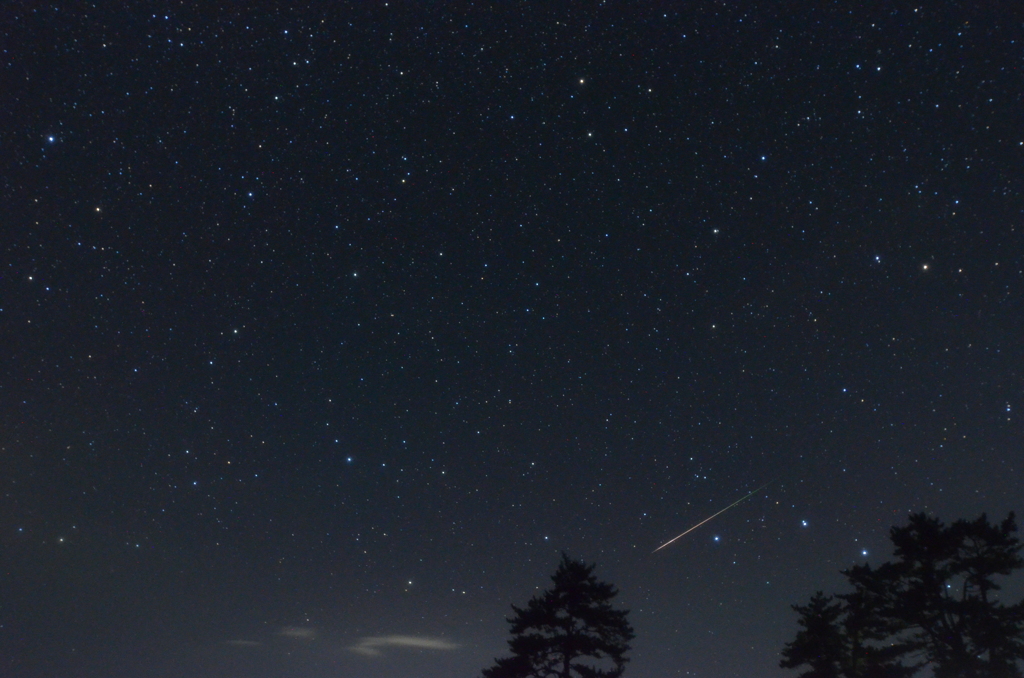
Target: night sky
x=325 y=330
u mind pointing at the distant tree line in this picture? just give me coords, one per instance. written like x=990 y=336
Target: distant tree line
x=935 y=607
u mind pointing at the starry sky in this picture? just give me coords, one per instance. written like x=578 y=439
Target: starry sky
x=326 y=328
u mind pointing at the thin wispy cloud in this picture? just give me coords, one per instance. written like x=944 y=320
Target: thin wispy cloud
x=300 y=632
x=374 y=646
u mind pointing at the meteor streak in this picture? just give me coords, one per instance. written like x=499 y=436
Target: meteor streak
x=712 y=517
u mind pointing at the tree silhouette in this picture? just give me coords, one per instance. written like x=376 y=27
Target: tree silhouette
x=934 y=606
x=568 y=631
x=841 y=637
x=939 y=593
x=820 y=643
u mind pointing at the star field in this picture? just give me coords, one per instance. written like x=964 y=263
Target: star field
x=327 y=328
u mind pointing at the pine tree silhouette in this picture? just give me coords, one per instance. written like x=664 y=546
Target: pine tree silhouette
x=934 y=606
x=568 y=631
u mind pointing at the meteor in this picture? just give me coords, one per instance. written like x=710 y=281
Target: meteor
x=712 y=517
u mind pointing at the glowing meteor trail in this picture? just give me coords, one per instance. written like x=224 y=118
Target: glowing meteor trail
x=712 y=517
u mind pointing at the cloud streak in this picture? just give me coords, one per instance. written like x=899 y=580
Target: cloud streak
x=374 y=646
